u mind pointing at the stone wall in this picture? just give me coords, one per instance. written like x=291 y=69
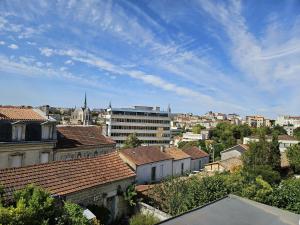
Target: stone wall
x=148 y=209
x=100 y=194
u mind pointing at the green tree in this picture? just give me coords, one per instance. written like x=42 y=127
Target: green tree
x=293 y=155
x=287 y=195
x=34 y=206
x=278 y=130
x=197 y=129
x=297 y=133
x=145 y=219
x=132 y=141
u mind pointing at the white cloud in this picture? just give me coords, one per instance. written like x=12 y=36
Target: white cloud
x=2 y=43
x=13 y=46
x=46 y=51
x=69 y=62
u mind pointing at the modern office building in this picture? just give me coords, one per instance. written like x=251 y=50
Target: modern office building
x=151 y=125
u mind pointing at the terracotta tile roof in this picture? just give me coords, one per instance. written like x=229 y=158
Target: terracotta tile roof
x=80 y=136
x=19 y=113
x=65 y=177
x=177 y=153
x=195 y=152
x=145 y=154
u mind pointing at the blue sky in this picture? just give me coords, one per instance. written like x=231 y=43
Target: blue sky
x=197 y=55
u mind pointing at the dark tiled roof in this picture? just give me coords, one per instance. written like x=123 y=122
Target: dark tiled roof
x=65 y=177
x=80 y=136
x=145 y=154
x=19 y=113
x=195 y=152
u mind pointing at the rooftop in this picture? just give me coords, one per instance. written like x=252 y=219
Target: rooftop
x=234 y=210
x=80 y=136
x=20 y=113
x=65 y=177
x=241 y=148
x=177 y=153
x=145 y=154
x=195 y=152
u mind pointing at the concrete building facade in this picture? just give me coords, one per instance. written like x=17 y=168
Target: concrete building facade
x=151 y=125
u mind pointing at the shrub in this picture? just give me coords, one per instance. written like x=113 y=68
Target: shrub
x=143 y=219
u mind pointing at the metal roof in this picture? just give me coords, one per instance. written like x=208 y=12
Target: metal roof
x=234 y=210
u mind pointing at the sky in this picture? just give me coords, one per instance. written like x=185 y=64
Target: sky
x=196 y=55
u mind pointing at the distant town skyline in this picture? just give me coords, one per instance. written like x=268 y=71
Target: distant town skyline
x=225 y=56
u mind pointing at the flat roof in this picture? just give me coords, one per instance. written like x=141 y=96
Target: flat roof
x=234 y=210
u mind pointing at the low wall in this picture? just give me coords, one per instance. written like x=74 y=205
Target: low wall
x=145 y=208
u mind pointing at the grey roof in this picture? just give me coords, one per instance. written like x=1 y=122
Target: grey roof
x=234 y=210
x=240 y=148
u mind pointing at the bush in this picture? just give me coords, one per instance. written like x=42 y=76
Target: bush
x=143 y=219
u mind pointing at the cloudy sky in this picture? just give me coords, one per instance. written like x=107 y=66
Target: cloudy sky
x=197 y=55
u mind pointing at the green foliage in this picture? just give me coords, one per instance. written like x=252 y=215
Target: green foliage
x=263 y=153
x=176 y=196
x=130 y=195
x=226 y=135
x=297 y=133
x=132 y=141
x=34 y=206
x=265 y=171
x=287 y=195
x=293 y=155
x=278 y=130
x=197 y=129
x=143 y=219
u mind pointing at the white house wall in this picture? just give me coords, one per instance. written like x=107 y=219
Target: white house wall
x=177 y=166
x=195 y=163
x=143 y=172
x=230 y=154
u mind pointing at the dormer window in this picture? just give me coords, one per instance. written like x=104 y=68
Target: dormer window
x=18 y=131
x=47 y=132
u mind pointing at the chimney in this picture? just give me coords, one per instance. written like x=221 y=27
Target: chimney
x=45 y=109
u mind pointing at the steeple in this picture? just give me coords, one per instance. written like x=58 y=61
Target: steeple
x=85 y=104
x=109 y=106
x=169 y=108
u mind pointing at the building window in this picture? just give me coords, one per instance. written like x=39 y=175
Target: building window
x=18 y=131
x=78 y=155
x=45 y=157
x=16 y=160
x=200 y=164
x=161 y=171
x=153 y=173
x=182 y=168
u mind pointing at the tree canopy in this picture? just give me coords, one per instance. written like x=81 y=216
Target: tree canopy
x=34 y=206
x=197 y=129
x=132 y=141
x=293 y=155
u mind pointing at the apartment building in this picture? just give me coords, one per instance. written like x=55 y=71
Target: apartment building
x=151 y=125
x=27 y=137
x=257 y=121
x=289 y=123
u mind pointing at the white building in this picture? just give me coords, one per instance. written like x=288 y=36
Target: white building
x=150 y=163
x=181 y=161
x=151 y=125
x=257 y=121
x=285 y=141
x=81 y=115
x=233 y=152
x=199 y=158
x=289 y=123
x=190 y=136
x=154 y=163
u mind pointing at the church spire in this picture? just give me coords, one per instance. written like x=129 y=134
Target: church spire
x=85 y=104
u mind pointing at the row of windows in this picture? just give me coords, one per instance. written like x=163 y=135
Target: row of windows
x=140 y=114
x=139 y=128
x=140 y=135
x=17 y=160
x=148 y=142
x=140 y=121
x=79 y=155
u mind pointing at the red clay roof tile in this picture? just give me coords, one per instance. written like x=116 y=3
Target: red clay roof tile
x=65 y=177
